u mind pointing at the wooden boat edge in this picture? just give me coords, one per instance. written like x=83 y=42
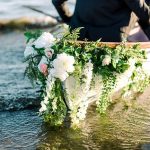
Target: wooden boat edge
x=143 y=45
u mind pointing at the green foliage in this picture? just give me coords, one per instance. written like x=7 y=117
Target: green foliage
x=32 y=35
x=56 y=111
x=83 y=53
x=32 y=71
x=138 y=81
x=105 y=99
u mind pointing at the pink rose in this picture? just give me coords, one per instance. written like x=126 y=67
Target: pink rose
x=43 y=69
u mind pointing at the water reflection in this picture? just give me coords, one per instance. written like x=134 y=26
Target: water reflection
x=118 y=130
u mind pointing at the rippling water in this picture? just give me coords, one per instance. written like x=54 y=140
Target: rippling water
x=15 y=91
x=19 y=130
x=118 y=130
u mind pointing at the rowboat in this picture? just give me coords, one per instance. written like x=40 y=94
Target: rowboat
x=76 y=93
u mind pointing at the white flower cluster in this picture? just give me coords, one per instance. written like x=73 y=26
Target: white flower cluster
x=81 y=114
x=49 y=86
x=88 y=72
x=63 y=65
x=45 y=40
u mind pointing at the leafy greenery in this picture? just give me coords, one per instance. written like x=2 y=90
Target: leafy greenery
x=138 y=81
x=32 y=71
x=105 y=99
x=56 y=110
x=32 y=35
x=117 y=62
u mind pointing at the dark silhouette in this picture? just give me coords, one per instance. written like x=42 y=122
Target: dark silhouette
x=110 y=20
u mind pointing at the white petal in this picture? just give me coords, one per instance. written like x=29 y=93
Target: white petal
x=29 y=51
x=45 y=40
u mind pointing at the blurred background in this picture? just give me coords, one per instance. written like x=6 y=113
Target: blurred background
x=20 y=126
x=15 y=13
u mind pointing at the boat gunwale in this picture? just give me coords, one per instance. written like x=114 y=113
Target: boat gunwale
x=143 y=45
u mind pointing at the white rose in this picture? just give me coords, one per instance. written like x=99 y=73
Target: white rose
x=59 y=73
x=45 y=40
x=106 y=60
x=64 y=62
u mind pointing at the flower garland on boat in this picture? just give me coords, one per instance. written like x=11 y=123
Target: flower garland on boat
x=51 y=62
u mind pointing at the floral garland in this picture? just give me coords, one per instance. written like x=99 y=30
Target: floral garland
x=51 y=62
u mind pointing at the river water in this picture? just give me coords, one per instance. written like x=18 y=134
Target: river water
x=14 y=13
x=122 y=128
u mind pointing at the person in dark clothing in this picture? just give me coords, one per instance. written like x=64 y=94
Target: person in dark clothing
x=110 y=20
